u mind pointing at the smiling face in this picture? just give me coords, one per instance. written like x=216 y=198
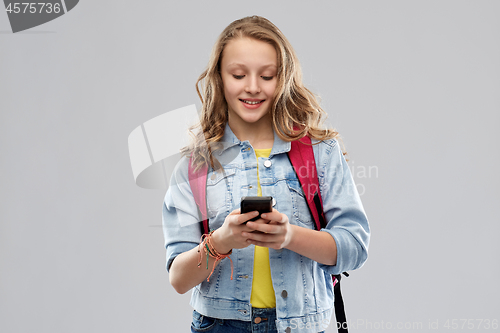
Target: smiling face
x=248 y=70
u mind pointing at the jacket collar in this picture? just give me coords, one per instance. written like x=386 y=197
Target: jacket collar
x=229 y=140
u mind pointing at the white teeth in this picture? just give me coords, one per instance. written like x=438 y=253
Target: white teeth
x=250 y=102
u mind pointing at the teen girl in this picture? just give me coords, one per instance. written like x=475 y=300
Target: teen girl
x=273 y=274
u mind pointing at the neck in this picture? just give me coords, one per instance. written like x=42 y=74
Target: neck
x=260 y=134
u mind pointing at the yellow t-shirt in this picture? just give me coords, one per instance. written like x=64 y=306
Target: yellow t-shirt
x=262 y=295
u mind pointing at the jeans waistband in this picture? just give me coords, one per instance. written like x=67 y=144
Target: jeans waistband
x=264 y=310
x=264 y=313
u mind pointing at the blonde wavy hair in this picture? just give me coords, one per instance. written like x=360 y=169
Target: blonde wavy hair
x=295 y=109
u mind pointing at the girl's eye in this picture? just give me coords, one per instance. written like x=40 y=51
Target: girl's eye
x=267 y=78
x=238 y=77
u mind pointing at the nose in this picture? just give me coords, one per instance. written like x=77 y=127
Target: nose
x=252 y=86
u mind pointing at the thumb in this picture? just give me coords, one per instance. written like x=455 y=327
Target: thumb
x=235 y=212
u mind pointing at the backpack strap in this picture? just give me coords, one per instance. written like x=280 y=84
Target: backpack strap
x=301 y=157
x=198 y=183
x=338 y=304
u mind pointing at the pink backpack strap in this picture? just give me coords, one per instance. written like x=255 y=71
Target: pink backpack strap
x=301 y=156
x=198 y=183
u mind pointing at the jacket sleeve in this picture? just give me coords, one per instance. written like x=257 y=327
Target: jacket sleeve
x=180 y=215
x=344 y=213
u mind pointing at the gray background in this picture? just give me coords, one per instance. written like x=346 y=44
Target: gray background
x=412 y=86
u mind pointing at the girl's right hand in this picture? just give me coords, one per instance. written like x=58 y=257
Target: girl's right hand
x=228 y=236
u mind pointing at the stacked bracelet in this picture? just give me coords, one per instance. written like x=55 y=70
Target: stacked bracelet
x=206 y=244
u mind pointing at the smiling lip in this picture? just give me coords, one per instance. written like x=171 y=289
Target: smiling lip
x=252 y=103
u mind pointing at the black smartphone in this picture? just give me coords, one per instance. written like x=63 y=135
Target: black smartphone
x=260 y=204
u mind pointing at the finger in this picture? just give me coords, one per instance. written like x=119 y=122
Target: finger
x=242 y=218
x=261 y=237
x=275 y=216
x=264 y=228
x=235 y=217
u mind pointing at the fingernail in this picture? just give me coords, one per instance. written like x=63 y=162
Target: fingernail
x=264 y=216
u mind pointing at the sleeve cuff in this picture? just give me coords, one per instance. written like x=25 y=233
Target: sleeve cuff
x=173 y=250
x=350 y=254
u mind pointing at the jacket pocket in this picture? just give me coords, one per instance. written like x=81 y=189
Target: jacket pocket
x=219 y=187
x=300 y=208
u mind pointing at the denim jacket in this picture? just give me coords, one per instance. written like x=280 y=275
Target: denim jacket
x=303 y=287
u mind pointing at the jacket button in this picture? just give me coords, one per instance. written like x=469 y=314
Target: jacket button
x=284 y=294
x=288 y=330
x=257 y=320
x=213 y=176
x=267 y=163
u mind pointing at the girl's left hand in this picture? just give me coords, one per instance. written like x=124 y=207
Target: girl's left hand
x=272 y=230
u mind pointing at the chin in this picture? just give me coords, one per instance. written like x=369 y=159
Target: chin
x=253 y=119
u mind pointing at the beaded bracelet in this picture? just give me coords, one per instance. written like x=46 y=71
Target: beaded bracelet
x=206 y=244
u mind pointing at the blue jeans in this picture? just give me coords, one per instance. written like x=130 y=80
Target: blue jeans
x=263 y=321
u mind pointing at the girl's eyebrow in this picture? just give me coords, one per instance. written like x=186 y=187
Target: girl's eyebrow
x=235 y=64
